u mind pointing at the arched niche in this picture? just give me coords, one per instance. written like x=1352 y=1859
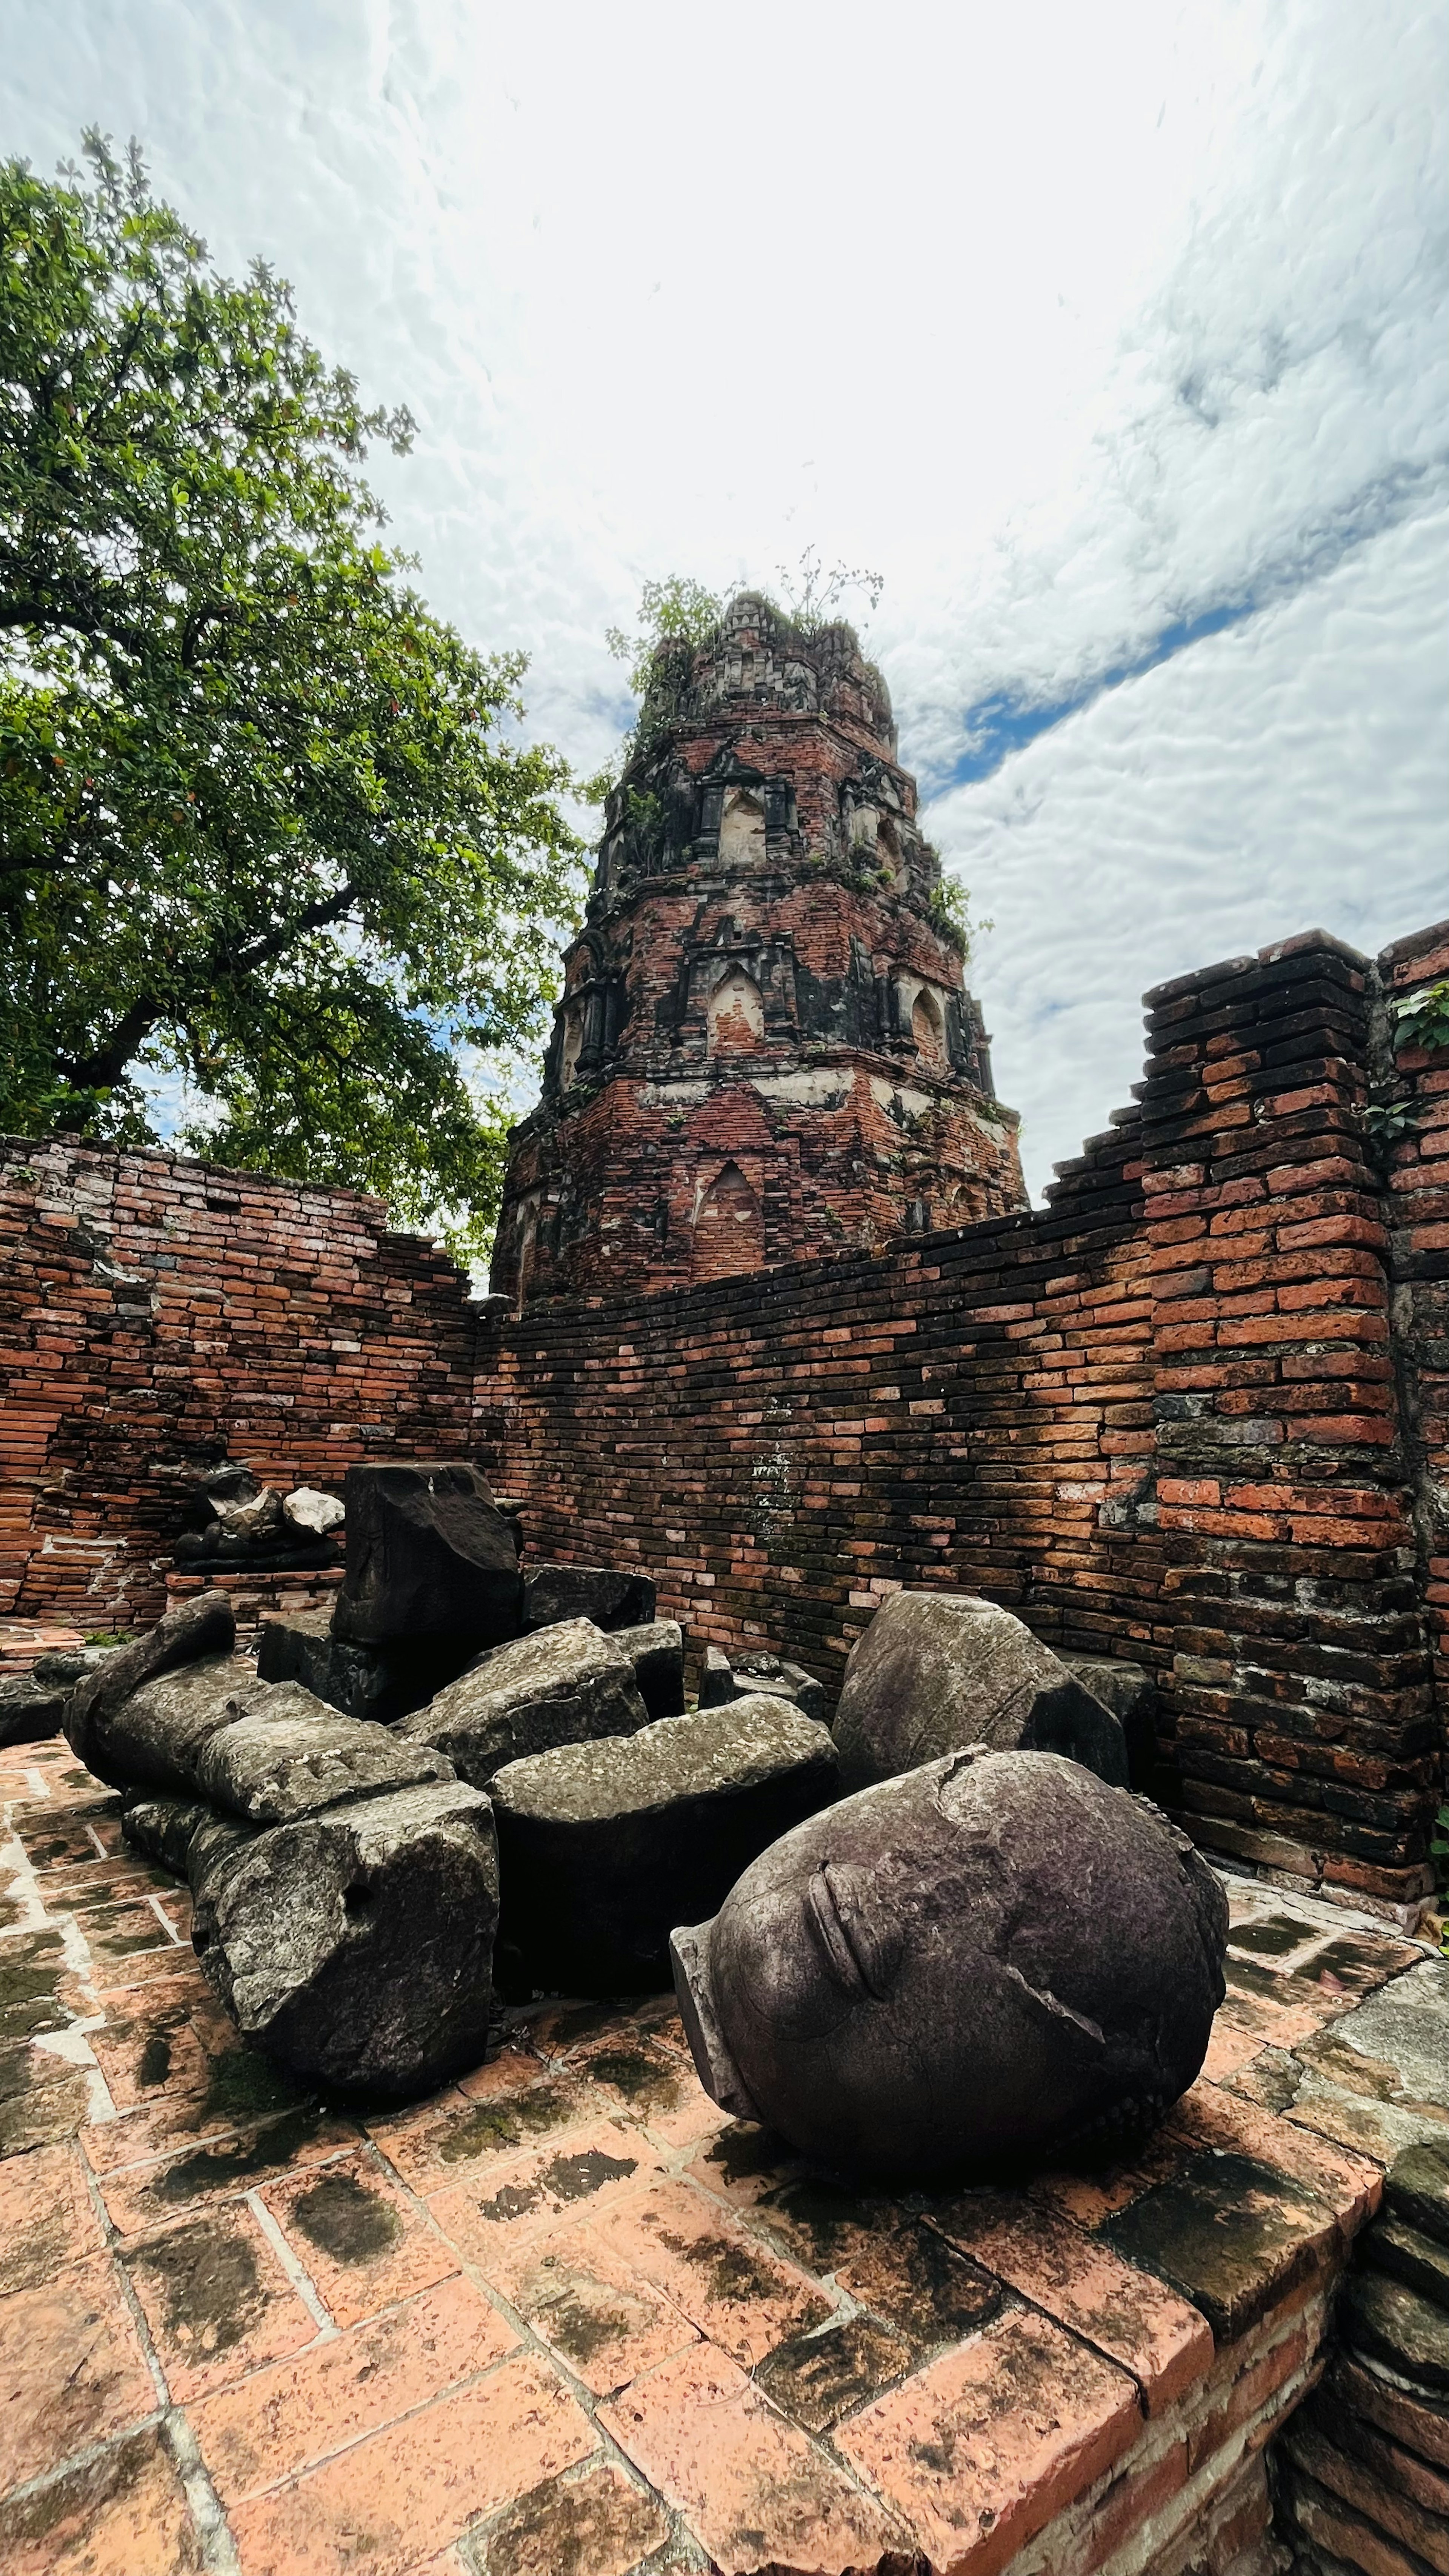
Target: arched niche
x=735 y=1015
x=729 y=1229
x=573 y=1041
x=928 y=1028
x=742 y=826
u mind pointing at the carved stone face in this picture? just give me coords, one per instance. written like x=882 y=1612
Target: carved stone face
x=990 y=1956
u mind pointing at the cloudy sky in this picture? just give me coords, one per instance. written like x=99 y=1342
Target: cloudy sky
x=1112 y=336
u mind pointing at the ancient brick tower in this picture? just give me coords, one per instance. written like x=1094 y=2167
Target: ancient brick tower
x=765 y=1047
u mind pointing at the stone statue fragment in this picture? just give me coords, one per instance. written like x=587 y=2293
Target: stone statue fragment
x=564 y=1685
x=430 y=1556
x=609 y=1596
x=991 y=1957
x=936 y=1671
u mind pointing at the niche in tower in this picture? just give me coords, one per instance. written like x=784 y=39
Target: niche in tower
x=735 y=1015
x=729 y=1229
x=742 y=827
x=929 y=1030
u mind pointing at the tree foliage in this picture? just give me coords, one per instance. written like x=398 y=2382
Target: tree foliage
x=268 y=828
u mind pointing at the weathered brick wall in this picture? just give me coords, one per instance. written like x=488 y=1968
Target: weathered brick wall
x=158 y=1315
x=1417 y=1219
x=973 y=1409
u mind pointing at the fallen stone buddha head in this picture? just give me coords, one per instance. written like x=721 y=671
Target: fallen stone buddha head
x=993 y=1957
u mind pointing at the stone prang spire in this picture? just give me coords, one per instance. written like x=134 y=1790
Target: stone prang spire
x=765 y=1048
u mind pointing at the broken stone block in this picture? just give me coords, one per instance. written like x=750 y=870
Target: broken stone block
x=1130 y=1692
x=30 y=1709
x=355 y=1946
x=603 y=1847
x=298 y=1646
x=155 y=1738
x=562 y=1685
x=989 y=1957
x=161 y=1828
x=759 y=1671
x=1416 y=2189
x=290 y=1755
x=429 y=1556
x=716 y=1679
x=315 y=1513
x=1397 y=2325
x=938 y=1671
x=204 y=1626
x=611 y=1600
x=656 y=1652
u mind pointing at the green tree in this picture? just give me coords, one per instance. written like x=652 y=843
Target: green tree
x=267 y=827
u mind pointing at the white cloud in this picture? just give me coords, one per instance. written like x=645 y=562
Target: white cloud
x=1075 y=322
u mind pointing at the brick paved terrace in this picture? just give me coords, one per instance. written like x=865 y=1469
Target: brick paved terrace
x=567 y=2319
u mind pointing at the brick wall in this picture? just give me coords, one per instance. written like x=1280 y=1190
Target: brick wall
x=158 y=1315
x=1193 y=1412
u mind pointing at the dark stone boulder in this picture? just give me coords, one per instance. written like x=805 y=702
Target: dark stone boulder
x=611 y=1600
x=381 y=1682
x=290 y=1755
x=30 y=1709
x=1395 y=2324
x=355 y=1946
x=603 y=1847
x=161 y=1828
x=937 y=1671
x=1130 y=1692
x=203 y=1626
x=992 y=1957
x=656 y=1652
x=563 y=1685
x=429 y=1556
x=1416 y=2189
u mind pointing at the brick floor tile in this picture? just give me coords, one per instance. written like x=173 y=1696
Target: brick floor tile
x=390 y=2500
x=636 y=2077
x=358 y=2237
x=554 y=2031
x=820 y=2377
x=141 y=2197
x=1088 y=2198
x=586 y=2170
x=171 y=2042
x=62 y=1842
x=285 y=2418
x=742 y=2163
x=123 y=2514
x=52 y=2103
x=1210 y=2117
x=46 y=2216
x=606 y=2322
x=1228 y=2049
x=117 y=1981
x=99 y=1884
x=1128 y=2314
x=511 y=2071
x=729 y=2284
x=282 y=2420
x=439 y=2141
x=117 y=1934
x=216 y=2299
x=886 y=2258
x=1230 y=2235
x=979 y=2451
x=593 y=2522
x=752 y=2486
x=72 y=2370
x=38 y=1990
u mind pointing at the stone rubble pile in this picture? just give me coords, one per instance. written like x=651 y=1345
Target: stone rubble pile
x=474 y=1773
